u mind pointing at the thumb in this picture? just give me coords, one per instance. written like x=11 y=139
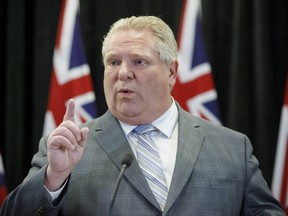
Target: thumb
x=70 y=111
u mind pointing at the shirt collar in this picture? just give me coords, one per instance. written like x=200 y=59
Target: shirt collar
x=164 y=123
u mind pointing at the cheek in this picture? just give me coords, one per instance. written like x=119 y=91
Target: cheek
x=108 y=84
x=154 y=88
x=110 y=77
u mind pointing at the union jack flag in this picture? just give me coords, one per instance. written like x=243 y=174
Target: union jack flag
x=194 y=88
x=280 y=174
x=3 y=188
x=71 y=73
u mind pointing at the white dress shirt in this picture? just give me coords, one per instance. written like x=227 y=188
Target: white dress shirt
x=166 y=141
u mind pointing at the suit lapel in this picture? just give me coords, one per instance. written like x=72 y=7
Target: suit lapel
x=190 y=140
x=107 y=132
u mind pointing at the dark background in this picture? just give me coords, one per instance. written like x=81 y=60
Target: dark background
x=246 y=43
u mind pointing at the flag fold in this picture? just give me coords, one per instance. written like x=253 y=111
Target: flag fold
x=194 y=88
x=70 y=74
x=280 y=174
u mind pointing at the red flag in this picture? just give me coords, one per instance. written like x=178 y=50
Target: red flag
x=280 y=175
x=194 y=89
x=71 y=73
x=3 y=188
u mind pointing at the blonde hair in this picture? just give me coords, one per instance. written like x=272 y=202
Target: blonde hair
x=164 y=39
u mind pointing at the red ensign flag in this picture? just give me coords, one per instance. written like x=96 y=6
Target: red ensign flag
x=71 y=73
x=3 y=188
x=280 y=175
x=194 y=89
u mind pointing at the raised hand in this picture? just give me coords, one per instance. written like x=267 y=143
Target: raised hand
x=65 y=147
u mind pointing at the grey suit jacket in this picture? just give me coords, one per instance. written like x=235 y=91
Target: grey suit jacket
x=215 y=174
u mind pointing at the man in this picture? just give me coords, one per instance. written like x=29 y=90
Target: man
x=203 y=169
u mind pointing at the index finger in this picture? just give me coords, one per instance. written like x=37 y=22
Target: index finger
x=70 y=111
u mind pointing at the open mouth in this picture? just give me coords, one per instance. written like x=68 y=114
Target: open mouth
x=126 y=92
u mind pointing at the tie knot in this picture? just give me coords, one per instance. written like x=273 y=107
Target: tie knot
x=144 y=129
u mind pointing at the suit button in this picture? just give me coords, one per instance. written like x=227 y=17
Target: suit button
x=40 y=211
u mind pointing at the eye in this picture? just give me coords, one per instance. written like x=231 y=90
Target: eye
x=141 y=62
x=113 y=62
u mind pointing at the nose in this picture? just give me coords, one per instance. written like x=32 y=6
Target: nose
x=125 y=71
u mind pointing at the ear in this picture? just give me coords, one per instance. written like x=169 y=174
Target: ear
x=173 y=69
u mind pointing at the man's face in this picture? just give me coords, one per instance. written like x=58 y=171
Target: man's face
x=137 y=83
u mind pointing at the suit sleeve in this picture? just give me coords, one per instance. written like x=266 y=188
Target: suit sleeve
x=257 y=198
x=31 y=197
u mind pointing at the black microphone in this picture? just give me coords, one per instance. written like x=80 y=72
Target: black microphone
x=126 y=162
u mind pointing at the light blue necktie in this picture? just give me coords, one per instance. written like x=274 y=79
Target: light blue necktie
x=150 y=163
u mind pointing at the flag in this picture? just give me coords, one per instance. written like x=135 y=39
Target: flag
x=3 y=188
x=71 y=73
x=280 y=173
x=194 y=88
